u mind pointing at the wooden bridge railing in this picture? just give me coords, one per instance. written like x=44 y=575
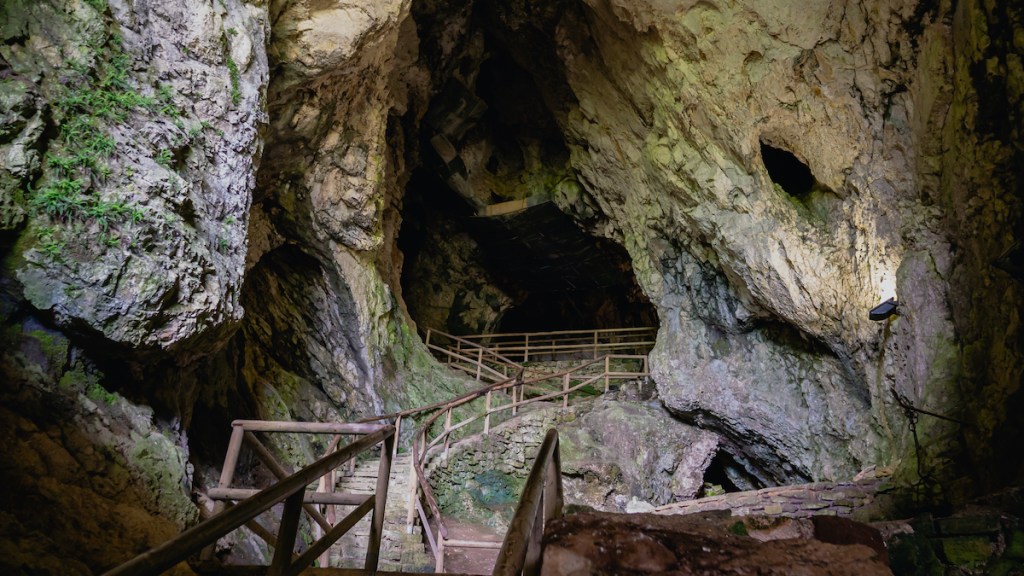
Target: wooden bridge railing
x=540 y=503
x=290 y=489
x=558 y=345
x=436 y=432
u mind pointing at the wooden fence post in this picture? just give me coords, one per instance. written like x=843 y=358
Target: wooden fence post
x=565 y=390
x=447 y=431
x=479 y=362
x=380 y=500
x=607 y=364
x=487 y=414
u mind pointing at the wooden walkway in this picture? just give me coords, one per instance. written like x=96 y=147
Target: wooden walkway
x=399 y=551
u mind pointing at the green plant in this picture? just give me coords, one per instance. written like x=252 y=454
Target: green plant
x=236 y=92
x=163 y=158
x=98 y=5
x=90 y=99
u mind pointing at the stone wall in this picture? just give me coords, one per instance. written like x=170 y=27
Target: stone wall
x=615 y=455
x=509 y=451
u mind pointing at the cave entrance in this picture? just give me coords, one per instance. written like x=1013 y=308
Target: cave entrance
x=492 y=234
x=532 y=270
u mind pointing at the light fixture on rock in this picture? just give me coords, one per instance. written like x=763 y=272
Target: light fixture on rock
x=884 y=310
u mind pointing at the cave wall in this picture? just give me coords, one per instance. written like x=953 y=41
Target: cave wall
x=862 y=94
x=763 y=294
x=130 y=136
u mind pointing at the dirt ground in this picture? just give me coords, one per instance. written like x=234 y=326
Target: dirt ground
x=471 y=560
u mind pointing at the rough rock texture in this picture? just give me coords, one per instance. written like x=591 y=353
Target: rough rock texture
x=90 y=478
x=670 y=113
x=127 y=162
x=616 y=456
x=621 y=456
x=149 y=251
x=319 y=225
x=595 y=543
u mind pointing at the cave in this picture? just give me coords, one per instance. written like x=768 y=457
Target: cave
x=486 y=246
x=234 y=210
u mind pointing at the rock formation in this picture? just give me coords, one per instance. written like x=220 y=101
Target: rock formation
x=202 y=205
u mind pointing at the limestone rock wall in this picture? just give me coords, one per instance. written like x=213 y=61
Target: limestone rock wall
x=763 y=294
x=130 y=139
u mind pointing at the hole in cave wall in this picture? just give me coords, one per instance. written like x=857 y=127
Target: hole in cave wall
x=534 y=271
x=786 y=170
x=726 y=474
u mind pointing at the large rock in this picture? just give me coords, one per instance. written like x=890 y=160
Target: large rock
x=623 y=456
x=149 y=252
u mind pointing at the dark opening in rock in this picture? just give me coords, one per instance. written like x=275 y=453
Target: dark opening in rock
x=486 y=247
x=786 y=170
x=532 y=270
x=725 y=474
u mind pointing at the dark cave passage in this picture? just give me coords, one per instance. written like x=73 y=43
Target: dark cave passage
x=786 y=170
x=530 y=271
x=487 y=245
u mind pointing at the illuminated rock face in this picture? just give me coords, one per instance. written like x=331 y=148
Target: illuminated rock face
x=687 y=125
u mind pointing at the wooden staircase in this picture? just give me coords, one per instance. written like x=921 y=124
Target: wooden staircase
x=399 y=551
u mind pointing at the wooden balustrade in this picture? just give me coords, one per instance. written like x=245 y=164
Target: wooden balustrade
x=291 y=489
x=552 y=345
x=560 y=387
x=540 y=503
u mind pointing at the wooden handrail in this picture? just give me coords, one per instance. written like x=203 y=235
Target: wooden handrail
x=290 y=490
x=422 y=445
x=540 y=503
x=562 y=342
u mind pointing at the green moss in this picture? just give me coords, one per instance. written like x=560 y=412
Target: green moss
x=967 y=551
x=1015 y=545
x=912 y=555
x=161 y=467
x=739 y=529
x=76 y=380
x=235 y=76
x=99 y=394
x=54 y=346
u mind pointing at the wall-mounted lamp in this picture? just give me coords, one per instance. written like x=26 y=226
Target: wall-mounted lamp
x=888 y=308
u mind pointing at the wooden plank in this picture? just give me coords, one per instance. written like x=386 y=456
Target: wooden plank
x=488 y=544
x=333 y=535
x=513 y=555
x=328 y=498
x=307 y=427
x=286 y=536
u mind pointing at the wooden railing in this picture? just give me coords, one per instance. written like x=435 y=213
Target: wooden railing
x=476 y=360
x=560 y=345
x=540 y=503
x=509 y=395
x=290 y=489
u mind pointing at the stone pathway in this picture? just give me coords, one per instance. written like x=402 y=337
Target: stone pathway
x=399 y=552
